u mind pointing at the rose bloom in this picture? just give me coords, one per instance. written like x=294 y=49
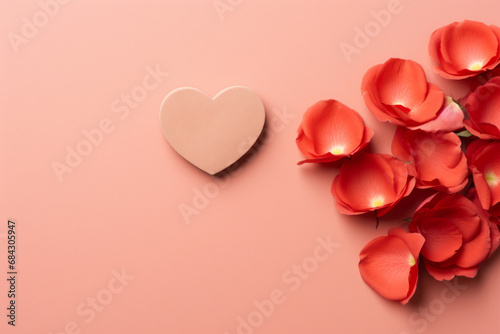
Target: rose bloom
x=465 y=49
x=331 y=131
x=389 y=265
x=435 y=159
x=458 y=235
x=371 y=182
x=484 y=163
x=483 y=106
x=398 y=92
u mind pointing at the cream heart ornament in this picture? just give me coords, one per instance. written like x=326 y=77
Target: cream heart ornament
x=212 y=133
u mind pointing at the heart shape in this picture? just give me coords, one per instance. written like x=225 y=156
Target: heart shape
x=212 y=133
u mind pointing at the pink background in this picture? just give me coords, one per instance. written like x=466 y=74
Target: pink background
x=119 y=208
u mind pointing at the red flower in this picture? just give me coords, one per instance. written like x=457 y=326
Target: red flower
x=371 y=182
x=465 y=49
x=483 y=106
x=458 y=235
x=389 y=265
x=484 y=163
x=398 y=92
x=437 y=160
x=330 y=131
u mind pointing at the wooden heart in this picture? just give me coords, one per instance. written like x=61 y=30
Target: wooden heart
x=212 y=133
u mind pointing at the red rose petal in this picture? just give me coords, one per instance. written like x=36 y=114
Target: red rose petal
x=397 y=91
x=468 y=223
x=469 y=45
x=388 y=265
x=359 y=178
x=305 y=144
x=333 y=125
x=495 y=237
x=367 y=182
x=450 y=118
x=485 y=167
x=429 y=108
x=449 y=273
x=401 y=91
x=476 y=251
x=442 y=239
x=400 y=148
x=435 y=44
x=465 y=49
x=483 y=190
x=437 y=158
x=331 y=131
x=414 y=241
x=371 y=99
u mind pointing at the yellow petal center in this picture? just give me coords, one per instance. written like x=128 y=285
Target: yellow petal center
x=476 y=66
x=377 y=202
x=411 y=261
x=491 y=178
x=336 y=150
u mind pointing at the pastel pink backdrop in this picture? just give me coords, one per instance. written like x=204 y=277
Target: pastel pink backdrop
x=119 y=208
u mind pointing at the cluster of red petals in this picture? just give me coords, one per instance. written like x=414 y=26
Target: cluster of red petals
x=435 y=159
x=371 y=182
x=389 y=265
x=465 y=49
x=484 y=163
x=331 y=131
x=398 y=92
x=483 y=106
x=452 y=232
x=458 y=235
